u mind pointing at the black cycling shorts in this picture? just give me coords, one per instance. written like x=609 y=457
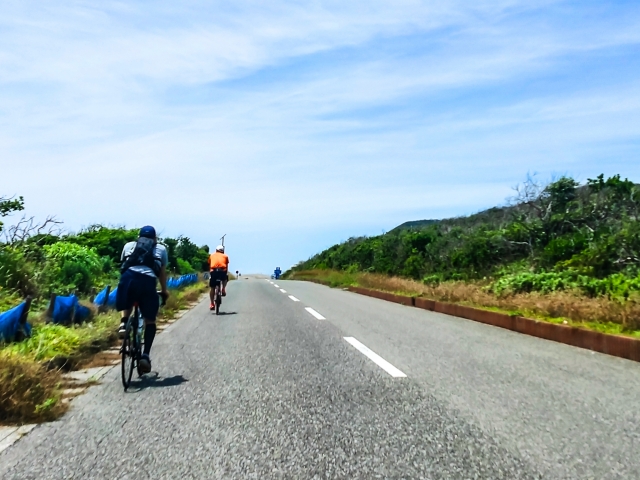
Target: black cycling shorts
x=138 y=288
x=216 y=275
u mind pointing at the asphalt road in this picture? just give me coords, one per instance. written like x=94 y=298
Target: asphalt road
x=270 y=390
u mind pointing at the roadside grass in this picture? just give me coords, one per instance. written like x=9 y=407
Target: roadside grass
x=57 y=345
x=29 y=392
x=31 y=370
x=601 y=314
x=179 y=300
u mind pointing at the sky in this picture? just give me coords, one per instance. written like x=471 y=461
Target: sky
x=291 y=126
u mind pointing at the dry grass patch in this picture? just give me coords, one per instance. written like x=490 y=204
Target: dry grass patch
x=600 y=313
x=28 y=391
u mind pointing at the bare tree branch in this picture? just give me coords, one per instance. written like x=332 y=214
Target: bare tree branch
x=27 y=227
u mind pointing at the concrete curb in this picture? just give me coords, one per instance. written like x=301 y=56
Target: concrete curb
x=617 y=346
x=10 y=435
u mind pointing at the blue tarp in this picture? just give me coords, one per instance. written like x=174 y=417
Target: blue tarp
x=64 y=308
x=111 y=301
x=182 y=281
x=99 y=300
x=10 y=323
x=112 y=298
x=67 y=308
x=82 y=313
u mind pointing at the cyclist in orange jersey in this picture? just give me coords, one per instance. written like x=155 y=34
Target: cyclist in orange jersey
x=219 y=268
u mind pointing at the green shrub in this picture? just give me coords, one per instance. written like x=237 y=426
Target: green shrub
x=69 y=267
x=432 y=279
x=16 y=273
x=184 y=267
x=616 y=286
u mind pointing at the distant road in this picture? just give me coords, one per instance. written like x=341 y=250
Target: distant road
x=302 y=381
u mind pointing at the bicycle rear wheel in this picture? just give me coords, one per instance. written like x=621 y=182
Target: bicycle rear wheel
x=218 y=298
x=128 y=352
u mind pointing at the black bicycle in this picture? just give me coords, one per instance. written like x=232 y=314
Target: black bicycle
x=217 y=291
x=217 y=296
x=132 y=345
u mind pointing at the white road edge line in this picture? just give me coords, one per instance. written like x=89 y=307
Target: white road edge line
x=375 y=358
x=314 y=313
x=293 y=298
x=283 y=290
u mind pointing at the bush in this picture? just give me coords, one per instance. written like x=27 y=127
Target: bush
x=15 y=272
x=69 y=267
x=616 y=286
x=184 y=267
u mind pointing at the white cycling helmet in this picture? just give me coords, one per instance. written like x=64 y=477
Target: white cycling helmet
x=220 y=248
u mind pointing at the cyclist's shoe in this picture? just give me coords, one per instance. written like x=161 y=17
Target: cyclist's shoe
x=145 y=364
x=122 y=329
x=212 y=307
x=224 y=293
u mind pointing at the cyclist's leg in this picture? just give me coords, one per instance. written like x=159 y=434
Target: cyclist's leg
x=224 y=284
x=124 y=299
x=149 y=304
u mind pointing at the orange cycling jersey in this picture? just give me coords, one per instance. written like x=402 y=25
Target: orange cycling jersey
x=218 y=260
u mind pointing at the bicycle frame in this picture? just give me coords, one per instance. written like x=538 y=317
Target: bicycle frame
x=132 y=345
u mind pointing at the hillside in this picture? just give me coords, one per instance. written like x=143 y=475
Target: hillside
x=415 y=225
x=560 y=236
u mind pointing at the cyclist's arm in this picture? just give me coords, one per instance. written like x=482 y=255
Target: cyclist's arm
x=163 y=278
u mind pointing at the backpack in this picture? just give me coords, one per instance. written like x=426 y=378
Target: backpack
x=142 y=255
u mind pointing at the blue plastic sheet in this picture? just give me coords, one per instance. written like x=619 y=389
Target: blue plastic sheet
x=67 y=309
x=82 y=313
x=10 y=323
x=99 y=300
x=64 y=309
x=182 y=281
x=112 y=298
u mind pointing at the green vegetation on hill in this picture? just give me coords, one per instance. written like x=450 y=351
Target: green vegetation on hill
x=36 y=263
x=562 y=236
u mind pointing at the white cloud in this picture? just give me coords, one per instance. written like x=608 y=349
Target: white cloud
x=308 y=115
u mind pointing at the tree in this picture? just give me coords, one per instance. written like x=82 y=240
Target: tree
x=8 y=206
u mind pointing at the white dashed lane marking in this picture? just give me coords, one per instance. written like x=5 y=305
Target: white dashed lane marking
x=314 y=313
x=283 y=290
x=293 y=298
x=375 y=358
